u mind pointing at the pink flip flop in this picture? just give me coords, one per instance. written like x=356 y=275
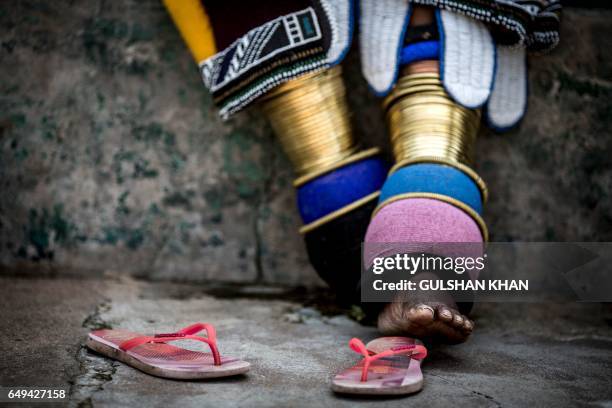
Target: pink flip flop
x=391 y=366
x=152 y=355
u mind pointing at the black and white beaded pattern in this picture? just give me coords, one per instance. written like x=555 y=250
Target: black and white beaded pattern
x=238 y=101
x=260 y=45
x=538 y=30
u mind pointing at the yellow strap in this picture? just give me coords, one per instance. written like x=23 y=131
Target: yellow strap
x=194 y=26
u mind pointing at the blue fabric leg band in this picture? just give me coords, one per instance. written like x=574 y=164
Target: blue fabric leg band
x=340 y=187
x=425 y=50
x=433 y=178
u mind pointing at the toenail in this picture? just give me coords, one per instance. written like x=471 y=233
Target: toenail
x=446 y=313
x=426 y=307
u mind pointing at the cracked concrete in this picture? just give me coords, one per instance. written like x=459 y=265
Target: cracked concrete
x=95 y=372
x=520 y=355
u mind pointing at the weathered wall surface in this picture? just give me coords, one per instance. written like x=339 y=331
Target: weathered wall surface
x=112 y=157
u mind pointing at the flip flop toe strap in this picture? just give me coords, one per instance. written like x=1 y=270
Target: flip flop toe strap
x=187 y=333
x=415 y=351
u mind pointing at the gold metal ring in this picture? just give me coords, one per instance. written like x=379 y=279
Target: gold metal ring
x=344 y=210
x=351 y=159
x=311 y=119
x=424 y=121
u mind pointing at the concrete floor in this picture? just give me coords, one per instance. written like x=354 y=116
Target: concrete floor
x=520 y=355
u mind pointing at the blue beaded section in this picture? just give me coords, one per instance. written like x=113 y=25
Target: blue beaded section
x=340 y=187
x=425 y=50
x=433 y=178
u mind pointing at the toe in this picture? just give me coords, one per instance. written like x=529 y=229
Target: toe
x=468 y=325
x=458 y=321
x=437 y=322
x=444 y=314
x=420 y=314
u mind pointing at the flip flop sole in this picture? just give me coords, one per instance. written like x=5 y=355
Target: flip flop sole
x=402 y=390
x=168 y=369
x=393 y=375
x=376 y=387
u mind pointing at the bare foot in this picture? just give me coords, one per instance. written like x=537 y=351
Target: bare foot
x=426 y=315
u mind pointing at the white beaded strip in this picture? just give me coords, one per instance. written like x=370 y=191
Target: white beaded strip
x=382 y=25
x=339 y=15
x=467 y=60
x=508 y=100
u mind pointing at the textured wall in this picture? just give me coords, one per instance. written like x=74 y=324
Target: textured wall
x=112 y=157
